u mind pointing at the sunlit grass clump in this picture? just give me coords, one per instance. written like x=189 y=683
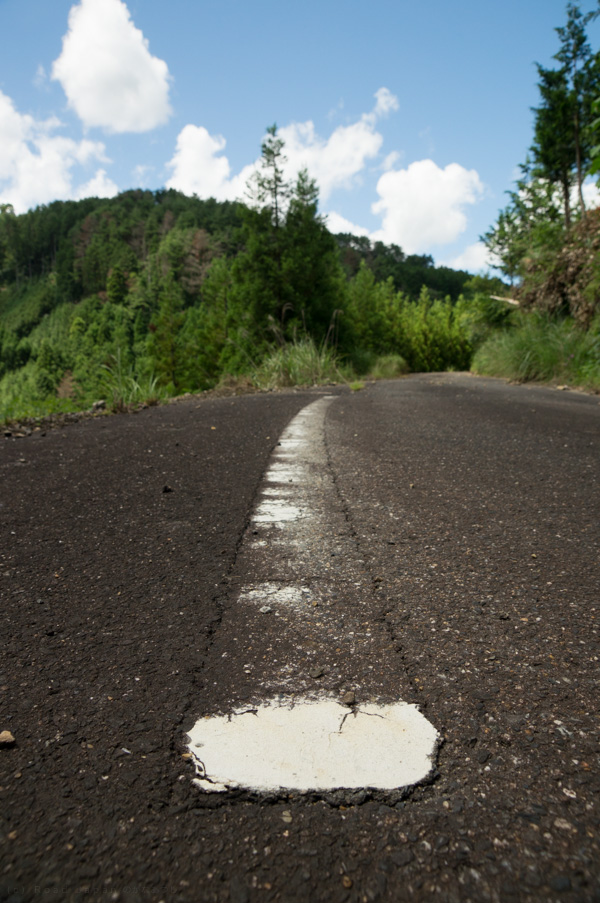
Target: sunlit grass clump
x=545 y=349
x=389 y=366
x=299 y=363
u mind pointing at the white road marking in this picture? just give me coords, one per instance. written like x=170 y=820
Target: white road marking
x=313 y=745
x=295 y=549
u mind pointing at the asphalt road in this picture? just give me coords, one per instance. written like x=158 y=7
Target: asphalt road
x=454 y=565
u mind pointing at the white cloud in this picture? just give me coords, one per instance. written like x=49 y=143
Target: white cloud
x=141 y=175
x=36 y=166
x=199 y=165
x=474 y=259
x=337 y=223
x=390 y=160
x=41 y=78
x=386 y=102
x=100 y=186
x=107 y=72
x=423 y=205
x=591 y=194
x=337 y=161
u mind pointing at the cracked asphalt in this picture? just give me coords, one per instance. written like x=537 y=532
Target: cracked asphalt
x=455 y=565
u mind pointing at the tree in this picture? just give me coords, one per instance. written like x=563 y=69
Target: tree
x=313 y=278
x=116 y=286
x=258 y=271
x=563 y=130
x=554 y=149
x=268 y=188
x=582 y=73
x=531 y=223
x=165 y=344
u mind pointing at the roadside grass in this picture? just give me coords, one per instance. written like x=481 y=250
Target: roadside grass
x=18 y=409
x=122 y=388
x=389 y=366
x=538 y=347
x=22 y=397
x=298 y=363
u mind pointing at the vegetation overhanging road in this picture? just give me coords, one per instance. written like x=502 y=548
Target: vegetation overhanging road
x=472 y=507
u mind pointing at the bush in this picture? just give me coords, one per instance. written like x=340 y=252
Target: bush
x=430 y=335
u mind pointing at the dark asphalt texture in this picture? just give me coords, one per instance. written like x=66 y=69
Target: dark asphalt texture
x=471 y=511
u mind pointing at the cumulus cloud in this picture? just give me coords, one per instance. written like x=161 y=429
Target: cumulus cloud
x=107 y=71
x=36 y=165
x=199 y=165
x=200 y=168
x=337 y=223
x=100 y=186
x=423 y=205
x=336 y=162
x=474 y=259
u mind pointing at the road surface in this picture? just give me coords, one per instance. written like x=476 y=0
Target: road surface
x=445 y=555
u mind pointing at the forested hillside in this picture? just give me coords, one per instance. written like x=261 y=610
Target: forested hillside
x=154 y=293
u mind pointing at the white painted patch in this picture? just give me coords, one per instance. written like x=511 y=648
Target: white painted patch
x=313 y=744
x=284 y=473
x=273 y=595
x=276 y=511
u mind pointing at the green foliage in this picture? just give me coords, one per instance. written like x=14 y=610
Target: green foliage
x=431 y=335
x=121 y=387
x=289 y=271
x=540 y=347
x=389 y=366
x=409 y=273
x=535 y=226
x=370 y=310
x=166 y=346
x=312 y=275
x=299 y=363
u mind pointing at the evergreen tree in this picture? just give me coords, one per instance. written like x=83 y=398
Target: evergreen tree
x=312 y=275
x=563 y=132
x=258 y=271
x=165 y=345
x=554 y=148
x=582 y=72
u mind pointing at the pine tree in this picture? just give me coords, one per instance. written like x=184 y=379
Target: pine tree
x=313 y=278
x=165 y=344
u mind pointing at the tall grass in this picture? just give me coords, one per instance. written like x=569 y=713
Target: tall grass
x=298 y=363
x=388 y=366
x=123 y=388
x=538 y=347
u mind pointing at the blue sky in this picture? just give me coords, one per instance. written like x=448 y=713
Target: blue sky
x=413 y=117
